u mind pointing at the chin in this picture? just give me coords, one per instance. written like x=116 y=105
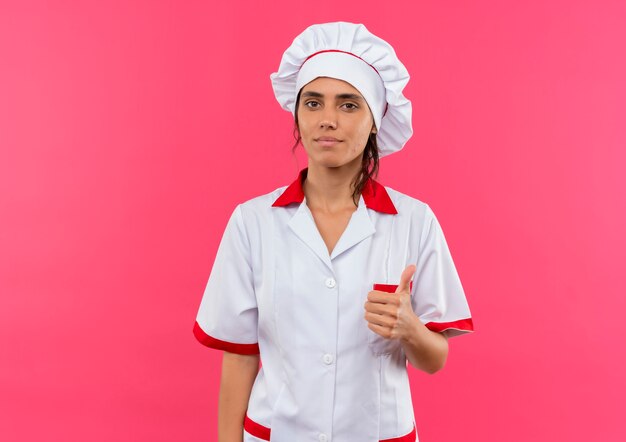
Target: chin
x=327 y=159
x=333 y=159
x=327 y=162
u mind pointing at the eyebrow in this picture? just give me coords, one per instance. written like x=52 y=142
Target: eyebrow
x=338 y=96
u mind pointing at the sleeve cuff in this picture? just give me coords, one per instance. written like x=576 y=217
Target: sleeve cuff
x=231 y=347
x=455 y=328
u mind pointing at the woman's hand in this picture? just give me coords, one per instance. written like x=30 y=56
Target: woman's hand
x=392 y=317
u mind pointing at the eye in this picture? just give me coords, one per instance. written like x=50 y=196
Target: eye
x=350 y=106
x=311 y=104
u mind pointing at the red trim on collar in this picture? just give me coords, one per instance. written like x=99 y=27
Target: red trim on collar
x=374 y=194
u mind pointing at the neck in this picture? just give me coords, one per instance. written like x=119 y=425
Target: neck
x=330 y=188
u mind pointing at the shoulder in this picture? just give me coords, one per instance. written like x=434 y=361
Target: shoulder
x=251 y=218
x=262 y=203
x=417 y=217
x=408 y=205
x=256 y=213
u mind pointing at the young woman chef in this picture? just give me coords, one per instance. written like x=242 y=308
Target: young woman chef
x=334 y=281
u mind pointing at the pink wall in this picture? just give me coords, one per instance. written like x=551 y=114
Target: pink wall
x=129 y=130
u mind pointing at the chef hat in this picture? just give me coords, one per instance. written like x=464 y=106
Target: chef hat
x=349 y=52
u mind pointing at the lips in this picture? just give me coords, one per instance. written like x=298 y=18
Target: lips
x=327 y=139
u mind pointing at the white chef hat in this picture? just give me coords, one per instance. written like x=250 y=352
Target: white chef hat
x=351 y=53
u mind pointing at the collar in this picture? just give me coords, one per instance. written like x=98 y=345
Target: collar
x=374 y=195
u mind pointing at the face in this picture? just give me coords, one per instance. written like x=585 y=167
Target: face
x=334 y=122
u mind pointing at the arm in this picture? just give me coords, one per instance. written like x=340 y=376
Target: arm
x=426 y=350
x=238 y=375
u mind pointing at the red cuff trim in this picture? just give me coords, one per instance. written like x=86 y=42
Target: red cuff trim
x=231 y=347
x=462 y=324
x=258 y=430
x=406 y=438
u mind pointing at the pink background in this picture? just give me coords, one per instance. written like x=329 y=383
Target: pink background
x=130 y=130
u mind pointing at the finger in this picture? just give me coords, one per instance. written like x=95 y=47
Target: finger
x=382 y=320
x=376 y=297
x=405 y=279
x=390 y=310
x=385 y=332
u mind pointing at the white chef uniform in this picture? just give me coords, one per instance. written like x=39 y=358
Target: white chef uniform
x=275 y=290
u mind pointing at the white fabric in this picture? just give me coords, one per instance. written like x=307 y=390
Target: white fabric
x=324 y=370
x=247 y=437
x=351 y=69
x=395 y=126
x=228 y=310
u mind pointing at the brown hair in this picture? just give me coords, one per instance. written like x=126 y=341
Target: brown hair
x=369 y=164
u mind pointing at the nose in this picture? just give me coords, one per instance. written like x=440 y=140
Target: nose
x=329 y=120
x=326 y=124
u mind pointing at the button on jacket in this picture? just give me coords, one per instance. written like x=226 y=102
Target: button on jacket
x=275 y=290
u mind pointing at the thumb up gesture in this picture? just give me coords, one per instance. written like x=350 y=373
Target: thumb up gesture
x=391 y=314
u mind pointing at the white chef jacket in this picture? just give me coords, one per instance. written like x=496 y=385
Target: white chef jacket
x=275 y=290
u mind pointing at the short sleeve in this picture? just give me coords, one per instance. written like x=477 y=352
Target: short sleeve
x=438 y=297
x=228 y=316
